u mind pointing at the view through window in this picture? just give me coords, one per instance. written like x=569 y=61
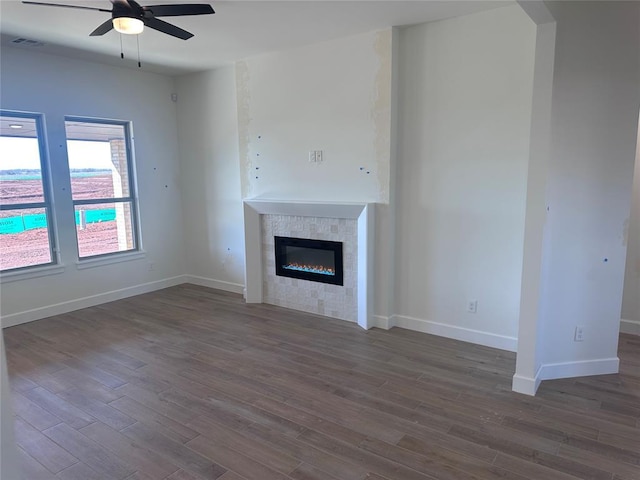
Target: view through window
x=100 y=165
x=25 y=214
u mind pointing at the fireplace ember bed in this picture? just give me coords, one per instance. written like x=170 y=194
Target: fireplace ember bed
x=308 y=259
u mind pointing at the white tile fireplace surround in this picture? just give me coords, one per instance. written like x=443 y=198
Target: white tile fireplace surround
x=350 y=223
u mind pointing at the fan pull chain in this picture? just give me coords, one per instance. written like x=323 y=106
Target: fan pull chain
x=138 y=42
x=121 y=51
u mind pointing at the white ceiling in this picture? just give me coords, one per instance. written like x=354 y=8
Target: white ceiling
x=239 y=28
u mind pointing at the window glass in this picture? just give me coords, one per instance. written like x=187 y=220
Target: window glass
x=20 y=169
x=100 y=166
x=25 y=226
x=104 y=228
x=24 y=238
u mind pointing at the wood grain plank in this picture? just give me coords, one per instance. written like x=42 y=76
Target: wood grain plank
x=316 y=457
x=46 y=452
x=31 y=468
x=175 y=452
x=80 y=471
x=296 y=395
x=32 y=413
x=135 y=455
x=234 y=460
x=375 y=463
x=55 y=405
x=93 y=455
x=167 y=426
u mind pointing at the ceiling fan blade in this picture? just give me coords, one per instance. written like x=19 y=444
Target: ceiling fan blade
x=179 y=9
x=167 y=28
x=80 y=7
x=102 y=29
x=123 y=3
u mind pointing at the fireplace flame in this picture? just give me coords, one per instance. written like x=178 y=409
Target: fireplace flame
x=319 y=269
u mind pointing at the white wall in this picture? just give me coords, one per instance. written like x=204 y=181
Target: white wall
x=57 y=86
x=332 y=96
x=464 y=119
x=209 y=166
x=594 y=116
x=631 y=295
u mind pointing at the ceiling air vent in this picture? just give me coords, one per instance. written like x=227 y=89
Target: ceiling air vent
x=25 y=42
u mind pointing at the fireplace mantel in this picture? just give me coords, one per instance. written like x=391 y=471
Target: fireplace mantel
x=364 y=213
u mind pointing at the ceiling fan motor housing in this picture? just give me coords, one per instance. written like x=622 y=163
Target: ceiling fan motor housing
x=129 y=10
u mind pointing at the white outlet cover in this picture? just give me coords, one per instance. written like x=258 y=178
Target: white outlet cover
x=472 y=306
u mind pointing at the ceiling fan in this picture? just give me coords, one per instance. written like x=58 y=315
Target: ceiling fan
x=129 y=17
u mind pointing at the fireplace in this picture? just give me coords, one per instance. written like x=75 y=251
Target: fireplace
x=350 y=223
x=307 y=259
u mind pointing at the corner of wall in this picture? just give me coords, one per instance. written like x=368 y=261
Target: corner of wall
x=526 y=385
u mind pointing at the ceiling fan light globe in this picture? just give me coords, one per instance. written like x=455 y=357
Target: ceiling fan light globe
x=128 y=25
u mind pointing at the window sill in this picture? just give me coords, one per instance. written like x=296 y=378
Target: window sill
x=110 y=259
x=35 y=272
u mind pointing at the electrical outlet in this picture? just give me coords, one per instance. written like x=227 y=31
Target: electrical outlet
x=151 y=266
x=578 y=336
x=318 y=156
x=472 y=306
x=312 y=156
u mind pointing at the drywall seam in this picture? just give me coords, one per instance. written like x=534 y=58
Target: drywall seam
x=243 y=98
x=381 y=112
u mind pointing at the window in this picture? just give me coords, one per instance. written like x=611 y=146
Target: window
x=26 y=231
x=102 y=186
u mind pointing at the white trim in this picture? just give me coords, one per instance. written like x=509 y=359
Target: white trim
x=632 y=327
x=212 y=283
x=582 y=368
x=307 y=209
x=90 y=301
x=364 y=213
x=386 y=323
x=457 y=333
x=553 y=371
x=30 y=273
x=526 y=385
x=109 y=259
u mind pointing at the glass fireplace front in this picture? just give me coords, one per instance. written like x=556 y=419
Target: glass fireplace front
x=306 y=259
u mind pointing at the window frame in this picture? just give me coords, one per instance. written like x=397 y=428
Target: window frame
x=46 y=204
x=132 y=198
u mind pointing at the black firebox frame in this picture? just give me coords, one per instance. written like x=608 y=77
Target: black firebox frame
x=281 y=244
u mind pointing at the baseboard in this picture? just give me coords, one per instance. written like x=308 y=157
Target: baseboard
x=526 y=385
x=457 y=333
x=584 y=368
x=383 y=322
x=90 y=301
x=217 y=284
x=632 y=327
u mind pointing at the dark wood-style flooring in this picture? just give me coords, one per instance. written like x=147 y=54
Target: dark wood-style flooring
x=191 y=383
